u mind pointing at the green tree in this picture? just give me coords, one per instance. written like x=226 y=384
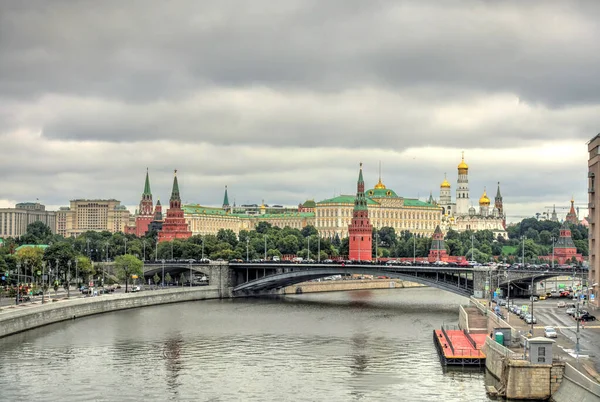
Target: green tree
x=309 y=230
x=156 y=279
x=37 y=233
x=262 y=228
x=168 y=278
x=126 y=266
x=228 y=236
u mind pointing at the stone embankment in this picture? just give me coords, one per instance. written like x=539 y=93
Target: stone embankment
x=342 y=285
x=19 y=319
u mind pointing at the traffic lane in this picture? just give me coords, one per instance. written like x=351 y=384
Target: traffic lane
x=548 y=314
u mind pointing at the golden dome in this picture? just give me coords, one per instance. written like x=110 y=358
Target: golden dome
x=445 y=183
x=462 y=165
x=484 y=200
x=379 y=185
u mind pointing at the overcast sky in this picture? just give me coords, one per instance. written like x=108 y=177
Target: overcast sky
x=281 y=100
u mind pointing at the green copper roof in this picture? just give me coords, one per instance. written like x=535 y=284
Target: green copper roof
x=226 y=198
x=175 y=191
x=147 y=185
x=202 y=210
x=345 y=199
x=309 y=204
x=381 y=193
x=409 y=202
x=498 y=196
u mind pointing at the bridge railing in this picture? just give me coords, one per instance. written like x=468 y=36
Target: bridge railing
x=447 y=339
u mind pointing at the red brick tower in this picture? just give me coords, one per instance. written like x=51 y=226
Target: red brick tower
x=438 y=252
x=564 y=248
x=174 y=226
x=360 y=229
x=145 y=214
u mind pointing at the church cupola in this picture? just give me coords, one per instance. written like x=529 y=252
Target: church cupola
x=462 y=188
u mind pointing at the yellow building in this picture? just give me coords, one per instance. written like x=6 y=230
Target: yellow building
x=95 y=215
x=209 y=220
x=386 y=209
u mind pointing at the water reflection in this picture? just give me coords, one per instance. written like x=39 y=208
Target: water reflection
x=373 y=345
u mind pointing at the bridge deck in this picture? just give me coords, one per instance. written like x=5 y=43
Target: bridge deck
x=455 y=347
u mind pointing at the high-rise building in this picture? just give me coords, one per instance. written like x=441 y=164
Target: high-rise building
x=360 y=230
x=95 y=215
x=174 y=225
x=594 y=217
x=14 y=221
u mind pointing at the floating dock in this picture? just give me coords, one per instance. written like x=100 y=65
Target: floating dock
x=459 y=348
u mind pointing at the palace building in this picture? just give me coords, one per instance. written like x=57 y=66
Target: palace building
x=461 y=215
x=385 y=209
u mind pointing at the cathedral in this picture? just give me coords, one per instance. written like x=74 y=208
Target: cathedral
x=461 y=215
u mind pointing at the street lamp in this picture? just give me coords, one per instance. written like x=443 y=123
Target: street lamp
x=68 y=279
x=265 y=236
x=190 y=272
x=319 y=249
x=376 y=241
x=18 y=274
x=202 y=238
x=472 y=247
x=523 y=251
x=553 y=240
x=163 y=272
x=308 y=248
x=144 y=243
x=156 y=251
x=43 y=275
x=531 y=297
x=247 y=244
x=125 y=240
x=414 y=249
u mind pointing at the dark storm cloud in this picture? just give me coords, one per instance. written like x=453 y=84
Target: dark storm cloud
x=542 y=52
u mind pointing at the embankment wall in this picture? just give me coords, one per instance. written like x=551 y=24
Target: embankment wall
x=25 y=318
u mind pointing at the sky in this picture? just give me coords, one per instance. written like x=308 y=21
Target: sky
x=281 y=100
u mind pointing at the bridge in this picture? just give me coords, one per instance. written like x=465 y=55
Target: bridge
x=247 y=278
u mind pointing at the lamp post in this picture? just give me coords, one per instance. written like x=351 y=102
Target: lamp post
x=190 y=273
x=414 y=249
x=247 y=245
x=553 y=240
x=376 y=241
x=531 y=297
x=56 y=277
x=507 y=273
x=68 y=279
x=76 y=272
x=172 y=241
x=319 y=249
x=18 y=274
x=202 y=238
x=523 y=251
x=265 y=236
x=163 y=272
x=125 y=240
x=156 y=251
x=472 y=247
x=144 y=243
x=308 y=248
x=88 y=247
x=43 y=275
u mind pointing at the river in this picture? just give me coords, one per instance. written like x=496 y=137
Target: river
x=343 y=346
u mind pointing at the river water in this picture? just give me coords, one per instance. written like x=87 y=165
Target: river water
x=343 y=346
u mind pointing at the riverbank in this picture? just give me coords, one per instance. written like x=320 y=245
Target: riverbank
x=21 y=318
x=342 y=285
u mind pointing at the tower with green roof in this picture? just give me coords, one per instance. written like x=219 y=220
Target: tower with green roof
x=145 y=213
x=226 y=206
x=360 y=230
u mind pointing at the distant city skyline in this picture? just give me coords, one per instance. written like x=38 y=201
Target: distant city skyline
x=281 y=105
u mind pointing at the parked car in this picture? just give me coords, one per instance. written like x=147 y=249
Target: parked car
x=530 y=318
x=550 y=332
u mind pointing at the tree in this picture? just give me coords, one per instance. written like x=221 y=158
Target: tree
x=168 y=278
x=309 y=230
x=30 y=259
x=228 y=236
x=37 y=233
x=156 y=278
x=387 y=236
x=262 y=228
x=126 y=266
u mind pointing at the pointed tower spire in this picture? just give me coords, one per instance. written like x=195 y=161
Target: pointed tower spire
x=360 y=204
x=147 y=185
x=226 y=200
x=498 y=195
x=175 y=191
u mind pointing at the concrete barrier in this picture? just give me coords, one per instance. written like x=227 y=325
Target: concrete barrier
x=25 y=318
x=575 y=386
